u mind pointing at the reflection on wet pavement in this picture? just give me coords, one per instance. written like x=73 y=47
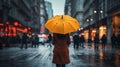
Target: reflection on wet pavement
x=42 y=57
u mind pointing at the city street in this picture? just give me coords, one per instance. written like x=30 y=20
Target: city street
x=27 y=27
x=42 y=57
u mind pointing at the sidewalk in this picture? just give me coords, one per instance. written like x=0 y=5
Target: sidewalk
x=42 y=57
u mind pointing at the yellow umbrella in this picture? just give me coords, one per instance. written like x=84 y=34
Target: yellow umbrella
x=62 y=24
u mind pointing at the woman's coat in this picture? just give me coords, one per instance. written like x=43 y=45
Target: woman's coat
x=60 y=52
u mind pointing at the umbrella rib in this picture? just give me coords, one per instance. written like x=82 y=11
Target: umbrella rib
x=63 y=27
x=54 y=26
x=72 y=26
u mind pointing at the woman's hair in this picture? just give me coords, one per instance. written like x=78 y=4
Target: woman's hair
x=60 y=36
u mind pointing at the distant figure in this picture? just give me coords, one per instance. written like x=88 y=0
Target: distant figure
x=1 y=42
x=76 y=41
x=104 y=40
x=32 y=40
x=96 y=41
x=49 y=40
x=18 y=39
x=113 y=40
x=24 y=40
x=82 y=40
x=36 y=43
x=60 y=52
x=118 y=41
x=89 y=41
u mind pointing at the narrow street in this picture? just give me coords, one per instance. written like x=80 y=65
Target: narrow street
x=42 y=57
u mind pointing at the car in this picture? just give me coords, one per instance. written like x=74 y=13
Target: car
x=42 y=38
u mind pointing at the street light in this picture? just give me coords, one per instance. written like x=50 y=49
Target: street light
x=89 y=20
x=95 y=11
x=98 y=14
x=101 y=11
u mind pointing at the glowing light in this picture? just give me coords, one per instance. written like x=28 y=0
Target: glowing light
x=95 y=11
x=1 y=24
x=102 y=27
x=91 y=19
x=29 y=28
x=7 y=22
x=16 y=23
x=101 y=11
x=87 y=20
x=93 y=30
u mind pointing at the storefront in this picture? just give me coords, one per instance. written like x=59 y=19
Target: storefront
x=12 y=29
x=86 y=35
x=116 y=24
x=93 y=33
x=102 y=31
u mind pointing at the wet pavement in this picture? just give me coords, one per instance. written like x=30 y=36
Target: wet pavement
x=42 y=57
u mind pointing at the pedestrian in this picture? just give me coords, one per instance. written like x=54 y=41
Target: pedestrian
x=104 y=40
x=82 y=41
x=7 y=41
x=24 y=40
x=18 y=39
x=61 y=53
x=49 y=40
x=89 y=41
x=36 y=41
x=113 y=40
x=33 y=41
x=76 y=41
x=118 y=41
x=1 y=42
x=96 y=41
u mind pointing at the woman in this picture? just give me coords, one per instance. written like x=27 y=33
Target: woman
x=61 y=53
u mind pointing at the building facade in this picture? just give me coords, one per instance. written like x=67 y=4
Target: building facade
x=49 y=12
x=113 y=20
x=97 y=16
x=105 y=18
x=20 y=16
x=67 y=7
x=43 y=16
x=75 y=9
x=49 y=9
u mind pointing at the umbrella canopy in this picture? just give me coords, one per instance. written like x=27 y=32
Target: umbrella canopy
x=62 y=24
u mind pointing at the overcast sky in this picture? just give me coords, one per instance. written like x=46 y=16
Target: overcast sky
x=58 y=6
